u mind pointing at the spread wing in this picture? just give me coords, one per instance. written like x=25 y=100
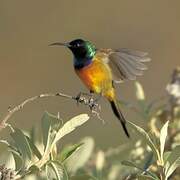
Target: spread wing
x=126 y=64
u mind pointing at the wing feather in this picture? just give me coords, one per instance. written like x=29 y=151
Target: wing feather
x=126 y=64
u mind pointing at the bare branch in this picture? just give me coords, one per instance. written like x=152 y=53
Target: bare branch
x=78 y=99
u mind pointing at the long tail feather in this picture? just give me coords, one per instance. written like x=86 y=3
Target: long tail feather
x=119 y=115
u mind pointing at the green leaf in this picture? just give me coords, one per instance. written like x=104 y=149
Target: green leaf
x=139 y=91
x=173 y=161
x=22 y=145
x=33 y=134
x=146 y=137
x=68 y=151
x=56 y=171
x=18 y=160
x=172 y=168
x=50 y=126
x=5 y=146
x=6 y=157
x=4 y=143
x=34 y=149
x=52 y=132
x=71 y=125
x=80 y=157
x=131 y=164
x=50 y=172
x=166 y=155
x=34 y=169
x=146 y=177
x=163 y=135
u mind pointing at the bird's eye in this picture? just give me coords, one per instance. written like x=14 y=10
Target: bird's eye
x=77 y=45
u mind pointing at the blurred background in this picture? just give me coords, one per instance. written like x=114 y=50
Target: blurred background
x=29 y=67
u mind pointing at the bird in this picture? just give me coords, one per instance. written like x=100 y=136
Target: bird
x=99 y=69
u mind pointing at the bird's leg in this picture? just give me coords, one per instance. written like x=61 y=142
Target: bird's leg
x=79 y=98
x=92 y=99
x=87 y=99
x=95 y=108
x=93 y=102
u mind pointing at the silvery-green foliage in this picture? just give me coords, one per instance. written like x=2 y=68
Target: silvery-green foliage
x=28 y=158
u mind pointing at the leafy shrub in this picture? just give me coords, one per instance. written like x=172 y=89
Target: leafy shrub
x=153 y=154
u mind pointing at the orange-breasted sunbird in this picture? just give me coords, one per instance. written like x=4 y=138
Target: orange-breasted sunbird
x=100 y=69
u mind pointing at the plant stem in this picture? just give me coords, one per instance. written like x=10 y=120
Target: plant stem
x=11 y=111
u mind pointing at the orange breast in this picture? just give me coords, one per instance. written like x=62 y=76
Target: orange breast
x=96 y=76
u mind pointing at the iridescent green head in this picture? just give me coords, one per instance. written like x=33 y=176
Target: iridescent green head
x=80 y=48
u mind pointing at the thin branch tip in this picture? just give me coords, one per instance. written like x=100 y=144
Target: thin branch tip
x=90 y=102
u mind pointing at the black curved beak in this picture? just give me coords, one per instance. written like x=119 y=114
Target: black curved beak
x=60 y=44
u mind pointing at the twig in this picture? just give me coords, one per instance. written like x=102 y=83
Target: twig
x=11 y=111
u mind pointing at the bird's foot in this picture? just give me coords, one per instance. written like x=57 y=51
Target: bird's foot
x=95 y=108
x=87 y=99
x=79 y=99
x=83 y=98
x=93 y=105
